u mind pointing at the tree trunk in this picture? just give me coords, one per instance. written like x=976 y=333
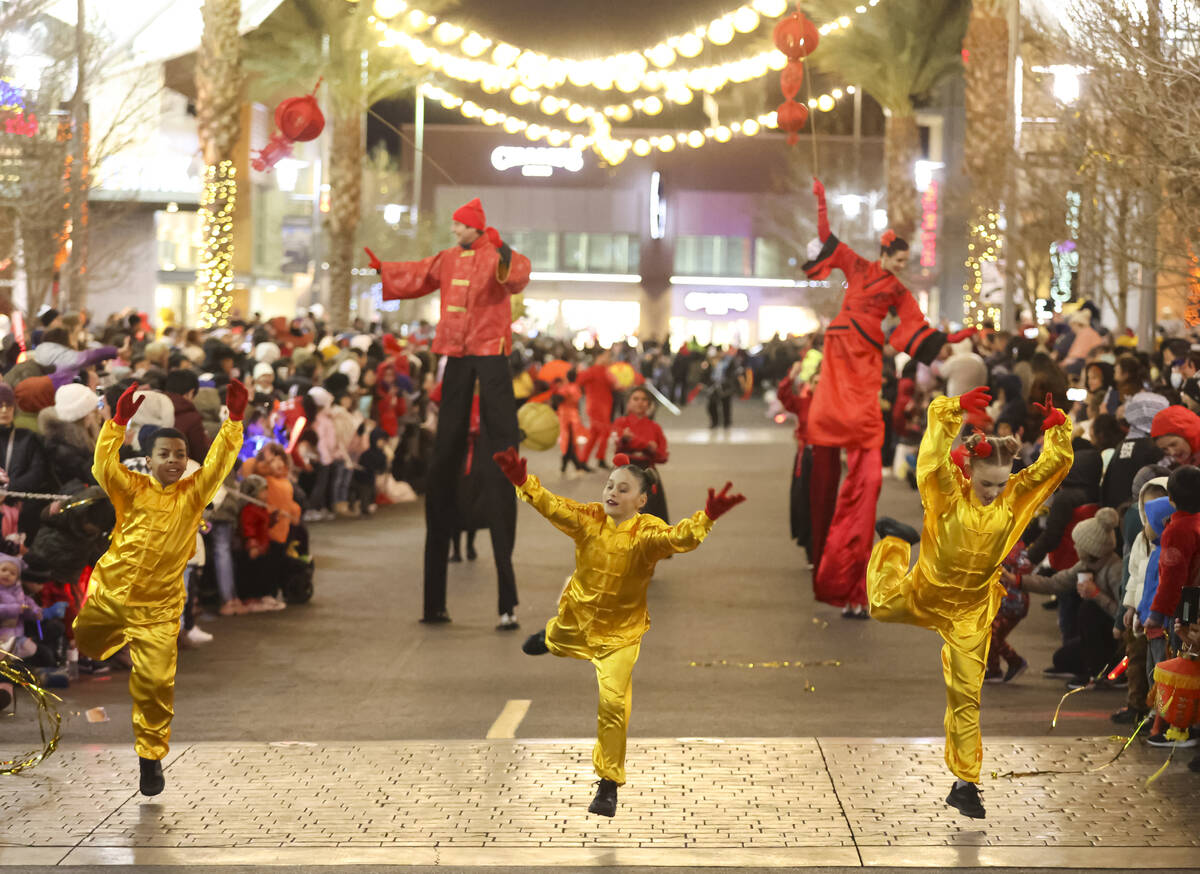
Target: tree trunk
x=218 y=105
x=76 y=272
x=903 y=147
x=345 y=207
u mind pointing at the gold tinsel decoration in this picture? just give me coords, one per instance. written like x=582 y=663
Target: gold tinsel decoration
x=49 y=719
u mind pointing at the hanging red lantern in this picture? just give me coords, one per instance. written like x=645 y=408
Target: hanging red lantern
x=300 y=119
x=791 y=117
x=791 y=79
x=796 y=36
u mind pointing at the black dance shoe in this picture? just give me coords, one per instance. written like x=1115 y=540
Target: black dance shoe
x=605 y=802
x=889 y=527
x=152 y=781
x=966 y=800
x=439 y=618
x=535 y=644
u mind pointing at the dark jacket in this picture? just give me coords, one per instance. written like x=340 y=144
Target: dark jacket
x=1082 y=486
x=190 y=423
x=26 y=464
x=63 y=546
x=1128 y=458
x=68 y=458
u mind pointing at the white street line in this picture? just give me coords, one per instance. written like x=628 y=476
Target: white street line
x=509 y=720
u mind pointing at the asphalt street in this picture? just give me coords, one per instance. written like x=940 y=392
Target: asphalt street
x=355 y=664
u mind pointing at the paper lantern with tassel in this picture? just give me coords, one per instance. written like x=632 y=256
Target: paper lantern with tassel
x=791 y=118
x=796 y=36
x=539 y=423
x=1177 y=694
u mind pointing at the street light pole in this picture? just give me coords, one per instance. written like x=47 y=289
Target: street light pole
x=419 y=152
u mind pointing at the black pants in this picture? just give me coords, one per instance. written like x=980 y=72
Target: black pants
x=720 y=409
x=498 y=415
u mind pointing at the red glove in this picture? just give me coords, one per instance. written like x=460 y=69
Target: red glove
x=1051 y=415
x=975 y=401
x=375 y=263
x=512 y=465
x=822 y=213
x=959 y=336
x=127 y=406
x=718 y=505
x=236 y=396
x=959 y=456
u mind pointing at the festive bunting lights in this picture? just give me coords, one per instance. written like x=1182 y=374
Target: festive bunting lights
x=215 y=276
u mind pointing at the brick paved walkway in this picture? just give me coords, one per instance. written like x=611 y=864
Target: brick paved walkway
x=783 y=802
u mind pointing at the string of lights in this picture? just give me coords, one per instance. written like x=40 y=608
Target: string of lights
x=984 y=246
x=599 y=136
x=523 y=72
x=215 y=276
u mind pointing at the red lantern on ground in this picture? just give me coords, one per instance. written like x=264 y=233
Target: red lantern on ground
x=791 y=118
x=1176 y=694
x=299 y=120
x=791 y=79
x=796 y=36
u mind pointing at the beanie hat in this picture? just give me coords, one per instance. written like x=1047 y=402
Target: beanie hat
x=352 y=369
x=157 y=409
x=34 y=394
x=263 y=369
x=471 y=215
x=253 y=483
x=48 y=314
x=7 y=396
x=6 y=558
x=1179 y=421
x=1097 y=537
x=74 y=401
x=320 y=396
x=1140 y=411
x=361 y=342
x=268 y=352
x=1146 y=474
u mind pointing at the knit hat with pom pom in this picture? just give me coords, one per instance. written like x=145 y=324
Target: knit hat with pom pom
x=1097 y=537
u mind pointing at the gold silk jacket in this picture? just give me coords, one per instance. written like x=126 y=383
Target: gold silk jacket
x=604 y=604
x=963 y=541
x=155 y=534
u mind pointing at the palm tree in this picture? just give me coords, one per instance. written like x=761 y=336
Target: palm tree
x=897 y=54
x=335 y=40
x=985 y=49
x=218 y=120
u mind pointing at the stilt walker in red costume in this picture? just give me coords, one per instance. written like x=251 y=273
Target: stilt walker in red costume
x=477 y=279
x=845 y=412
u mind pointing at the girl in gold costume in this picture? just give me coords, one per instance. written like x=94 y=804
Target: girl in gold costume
x=970 y=525
x=602 y=612
x=136 y=593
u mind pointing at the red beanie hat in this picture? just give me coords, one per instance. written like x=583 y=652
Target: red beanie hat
x=471 y=215
x=34 y=394
x=1179 y=421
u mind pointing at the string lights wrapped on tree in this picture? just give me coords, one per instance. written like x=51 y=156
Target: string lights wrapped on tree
x=797 y=37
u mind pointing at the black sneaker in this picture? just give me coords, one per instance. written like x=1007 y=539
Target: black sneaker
x=1015 y=669
x=1161 y=740
x=1128 y=716
x=889 y=527
x=605 y=802
x=996 y=676
x=439 y=618
x=508 y=622
x=152 y=781
x=535 y=644
x=966 y=800
x=93 y=667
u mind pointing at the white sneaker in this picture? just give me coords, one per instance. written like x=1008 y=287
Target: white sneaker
x=508 y=622
x=312 y=516
x=198 y=635
x=273 y=603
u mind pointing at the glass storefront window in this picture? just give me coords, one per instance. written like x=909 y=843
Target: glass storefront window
x=772 y=259
x=180 y=237
x=541 y=247
x=712 y=256
x=600 y=253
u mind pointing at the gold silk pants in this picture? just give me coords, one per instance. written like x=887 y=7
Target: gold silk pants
x=103 y=627
x=614 y=676
x=891 y=591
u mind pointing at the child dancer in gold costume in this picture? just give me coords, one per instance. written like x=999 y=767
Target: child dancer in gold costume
x=602 y=612
x=970 y=526
x=136 y=593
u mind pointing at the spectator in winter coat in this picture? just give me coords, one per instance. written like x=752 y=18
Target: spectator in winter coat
x=1179 y=561
x=964 y=369
x=1082 y=486
x=22 y=457
x=55 y=351
x=181 y=388
x=1096 y=577
x=70 y=429
x=1176 y=431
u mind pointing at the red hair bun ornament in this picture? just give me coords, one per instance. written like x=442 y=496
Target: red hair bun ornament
x=620 y=459
x=889 y=237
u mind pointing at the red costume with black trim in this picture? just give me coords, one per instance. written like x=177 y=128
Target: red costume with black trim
x=845 y=410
